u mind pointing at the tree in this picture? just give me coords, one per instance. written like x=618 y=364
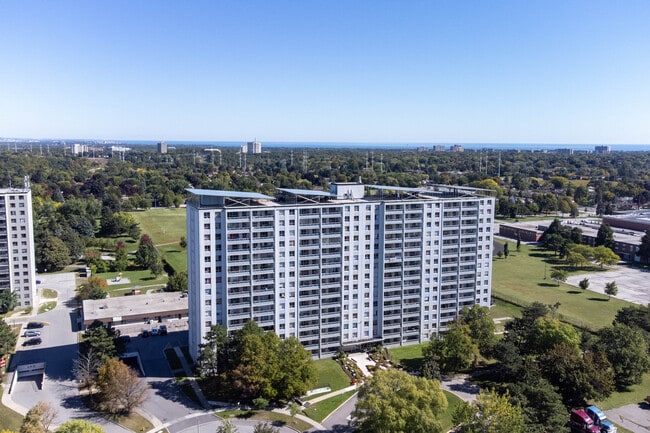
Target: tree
x=39 y=418
x=7 y=339
x=121 y=390
x=121 y=257
x=297 y=373
x=183 y=242
x=213 y=354
x=146 y=255
x=605 y=236
x=492 y=413
x=8 y=300
x=549 y=332
x=636 y=316
x=584 y=283
x=605 y=256
x=393 y=401
x=611 y=289
x=54 y=254
x=265 y=427
x=563 y=366
x=79 y=426
x=644 y=249
x=541 y=405
x=559 y=275
x=227 y=427
x=481 y=327
x=85 y=368
x=626 y=349
x=94 y=288
x=157 y=267
x=454 y=351
x=177 y=282
x=98 y=339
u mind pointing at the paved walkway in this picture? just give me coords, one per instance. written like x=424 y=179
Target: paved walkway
x=460 y=386
x=190 y=377
x=634 y=417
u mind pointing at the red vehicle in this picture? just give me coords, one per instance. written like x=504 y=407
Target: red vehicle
x=580 y=422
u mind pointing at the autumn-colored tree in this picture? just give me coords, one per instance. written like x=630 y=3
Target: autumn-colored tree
x=79 y=426
x=121 y=390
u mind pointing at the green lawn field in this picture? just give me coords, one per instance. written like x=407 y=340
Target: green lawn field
x=330 y=374
x=519 y=279
x=164 y=225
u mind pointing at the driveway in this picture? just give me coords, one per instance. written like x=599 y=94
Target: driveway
x=634 y=417
x=58 y=351
x=631 y=282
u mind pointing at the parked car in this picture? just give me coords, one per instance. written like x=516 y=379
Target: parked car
x=163 y=329
x=154 y=331
x=600 y=419
x=32 y=341
x=580 y=422
x=144 y=333
x=34 y=325
x=31 y=333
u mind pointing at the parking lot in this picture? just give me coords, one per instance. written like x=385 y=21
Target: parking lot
x=631 y=282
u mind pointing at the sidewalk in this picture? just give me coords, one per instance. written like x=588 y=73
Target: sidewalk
x=188 y=373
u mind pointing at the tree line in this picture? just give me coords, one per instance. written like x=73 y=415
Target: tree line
x=79 y=200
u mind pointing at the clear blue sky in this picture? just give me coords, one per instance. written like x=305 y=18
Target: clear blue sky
x=377 y=71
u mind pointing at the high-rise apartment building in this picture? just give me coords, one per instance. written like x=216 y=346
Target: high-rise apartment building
x=356 y=266
x=252 y=147
x=17 y=261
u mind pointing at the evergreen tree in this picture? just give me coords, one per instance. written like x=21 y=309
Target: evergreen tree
x=605 y=236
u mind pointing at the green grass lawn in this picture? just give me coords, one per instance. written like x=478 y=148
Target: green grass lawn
x=410 y=357
x=330 y=374
x=519 y=279
x=265 y=415
x=445 y=418
x=321 y=410
x=49 y=294
x=635 y=395
x=175 y=256
x=140 y=278
x=162 y=224
x=10 y=420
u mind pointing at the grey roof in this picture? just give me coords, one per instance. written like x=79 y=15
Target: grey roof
x=399 y=188
x=232 y=194
x=306 y=192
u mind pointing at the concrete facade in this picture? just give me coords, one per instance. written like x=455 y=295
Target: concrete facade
x=17 y=258
x=359 y=265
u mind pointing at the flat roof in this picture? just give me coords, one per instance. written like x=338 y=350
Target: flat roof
x=399 y=188
x=306 y=192
x=232 y=194
x=135 y=305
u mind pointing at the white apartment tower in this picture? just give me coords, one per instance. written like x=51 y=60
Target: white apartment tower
x=17 y=261
x=357 y=266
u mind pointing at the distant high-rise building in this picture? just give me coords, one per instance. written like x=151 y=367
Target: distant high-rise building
x=602 y=149
x=78 y=149
x=457 y=148
x=438 y=148
x=252 y=147
x=17 y=259
x=357 y=266
x=162 y=147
